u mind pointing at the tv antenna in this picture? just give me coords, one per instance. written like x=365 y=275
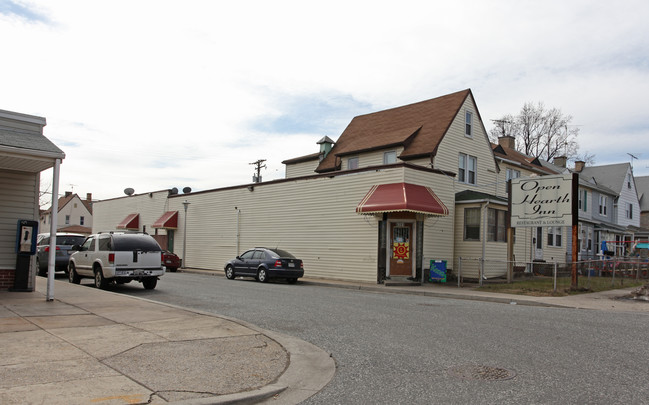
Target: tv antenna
x=632 y=157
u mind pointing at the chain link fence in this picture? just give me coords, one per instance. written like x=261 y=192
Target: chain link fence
x=558 y=275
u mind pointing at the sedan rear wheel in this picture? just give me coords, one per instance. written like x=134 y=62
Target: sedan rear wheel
x=262 y=276
x=229 y=273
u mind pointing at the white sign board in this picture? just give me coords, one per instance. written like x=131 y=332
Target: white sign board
x=541 y=201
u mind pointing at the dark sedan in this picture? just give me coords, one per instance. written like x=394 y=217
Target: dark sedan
x=265 y=264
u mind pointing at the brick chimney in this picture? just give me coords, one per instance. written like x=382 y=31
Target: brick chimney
x=88 y=196
x=507 y=141
x=579 y=165
x=560 y=161
x=68 y=193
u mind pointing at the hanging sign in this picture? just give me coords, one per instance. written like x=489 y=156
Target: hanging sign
x=541 y=201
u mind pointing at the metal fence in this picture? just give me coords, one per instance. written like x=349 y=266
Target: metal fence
x=613 y=270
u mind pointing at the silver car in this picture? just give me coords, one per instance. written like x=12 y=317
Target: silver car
x=64 y=241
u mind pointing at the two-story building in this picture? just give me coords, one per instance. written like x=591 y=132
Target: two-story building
x=74 y=214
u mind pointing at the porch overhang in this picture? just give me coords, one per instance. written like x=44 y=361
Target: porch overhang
x=401 y=197
x=168 y=220
x=131 y=222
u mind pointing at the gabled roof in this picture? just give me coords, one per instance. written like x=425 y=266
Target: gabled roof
x=609 y=176
x=67 y=198
x=519 y=159
x=642 y=184
x=418 y=127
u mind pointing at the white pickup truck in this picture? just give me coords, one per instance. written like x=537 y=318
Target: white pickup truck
x=117 y=257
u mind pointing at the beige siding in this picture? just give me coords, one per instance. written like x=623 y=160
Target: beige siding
x=374 y=158
x=478 y=145
x=19 y=201
x=109 y=213
x=76 y=209
x=301 y=169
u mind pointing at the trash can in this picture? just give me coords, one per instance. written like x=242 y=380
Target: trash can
x=437 y=271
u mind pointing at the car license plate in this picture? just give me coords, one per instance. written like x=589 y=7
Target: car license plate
x=291 y=265
x=138 y=272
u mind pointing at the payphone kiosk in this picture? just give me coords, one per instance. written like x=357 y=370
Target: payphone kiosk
x=25 y=249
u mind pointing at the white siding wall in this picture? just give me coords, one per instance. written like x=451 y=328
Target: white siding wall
x=302 y=169
x=75 y=209
x=374 y=158
x=314 y=219
x=478 y=145
x=109 y=213
x=628 y=196
x=19 y=201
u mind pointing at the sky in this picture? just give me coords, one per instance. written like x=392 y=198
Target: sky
x=152 y=95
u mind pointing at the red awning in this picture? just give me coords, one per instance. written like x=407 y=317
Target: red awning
x=168 y=220
x=402 y=197
x=132 y=221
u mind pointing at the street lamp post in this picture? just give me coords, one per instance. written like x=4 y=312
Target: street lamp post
x=185 y=204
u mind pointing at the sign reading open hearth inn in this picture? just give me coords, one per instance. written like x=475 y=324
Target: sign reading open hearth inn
x=541 y=201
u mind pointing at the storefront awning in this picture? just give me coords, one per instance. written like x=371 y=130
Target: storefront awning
x=168 y=220
x=401 y=197
x=132 y=221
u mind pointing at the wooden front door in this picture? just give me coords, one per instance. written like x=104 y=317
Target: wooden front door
x=401 y=248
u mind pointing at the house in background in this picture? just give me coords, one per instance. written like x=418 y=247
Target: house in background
x=642 y=184
x=74 y=215
x=24 y=153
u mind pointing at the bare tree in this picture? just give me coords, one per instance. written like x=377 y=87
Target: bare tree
x=539 y=132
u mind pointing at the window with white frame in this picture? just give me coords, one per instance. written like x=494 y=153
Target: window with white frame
x=468 y=131
x=352 y=163
x=496 y=228
x=389 y=157
x=467 y=168
x=554 y=236
x=583 y=200
x=82 y=219
x=629 y=211
x=513 y=174
x=472 y=224
x=603 y=202
x=67 y=220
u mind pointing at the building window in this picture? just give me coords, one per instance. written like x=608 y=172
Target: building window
x=467 y=167
x=554 y=236
x=389 y=157
x=513 y=174
x=583 y=200
x=81 y=220
x=352 y=163
x=468 y=124
x=472 y=224
x=629 y=211
x=67 y=220
x=496 y=229
x=603 y=202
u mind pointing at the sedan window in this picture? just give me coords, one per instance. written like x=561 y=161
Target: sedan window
x=259 y=255
x=247 y=255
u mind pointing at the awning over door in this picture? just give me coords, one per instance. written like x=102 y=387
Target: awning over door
x=132 y=221
x=401 y=197
x=168 y=220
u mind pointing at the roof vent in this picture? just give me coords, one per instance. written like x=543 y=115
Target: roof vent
x=325 y=146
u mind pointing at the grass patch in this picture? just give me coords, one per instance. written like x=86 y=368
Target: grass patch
x=544 y=286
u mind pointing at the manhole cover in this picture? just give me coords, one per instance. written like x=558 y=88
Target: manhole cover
x=471 y=372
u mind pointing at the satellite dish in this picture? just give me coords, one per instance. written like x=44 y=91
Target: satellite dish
x=129 y=191
x=173 y=191
x=187 y=190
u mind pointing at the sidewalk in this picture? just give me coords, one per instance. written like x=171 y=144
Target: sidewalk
x=89 y=346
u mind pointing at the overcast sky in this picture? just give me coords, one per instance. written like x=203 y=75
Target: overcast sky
x=160 y=94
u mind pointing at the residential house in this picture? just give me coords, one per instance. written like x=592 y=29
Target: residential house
x=74 y=215
x=609 y=208
x=391 y=194
x=24 y=153
x=642 y=184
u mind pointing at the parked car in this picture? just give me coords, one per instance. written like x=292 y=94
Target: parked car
x=117 y=257
x=170 y=260
x=64 y=241
x=264 y=264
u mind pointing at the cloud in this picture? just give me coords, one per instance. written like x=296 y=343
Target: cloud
x=22 y=11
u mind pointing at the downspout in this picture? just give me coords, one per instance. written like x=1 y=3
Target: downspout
x=238 y=234
x=51 y=262
x=484 y=240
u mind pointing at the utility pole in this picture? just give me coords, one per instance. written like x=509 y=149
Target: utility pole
x=259 y=165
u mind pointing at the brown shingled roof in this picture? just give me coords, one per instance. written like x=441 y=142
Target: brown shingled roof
x=527 y=162
x=418 y=127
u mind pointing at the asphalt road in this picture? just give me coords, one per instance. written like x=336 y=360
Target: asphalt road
x=407 y=349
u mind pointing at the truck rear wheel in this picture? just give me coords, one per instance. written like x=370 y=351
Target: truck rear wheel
x=150 y=283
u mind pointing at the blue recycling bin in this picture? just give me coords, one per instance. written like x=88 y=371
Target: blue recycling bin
x=437 y=271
